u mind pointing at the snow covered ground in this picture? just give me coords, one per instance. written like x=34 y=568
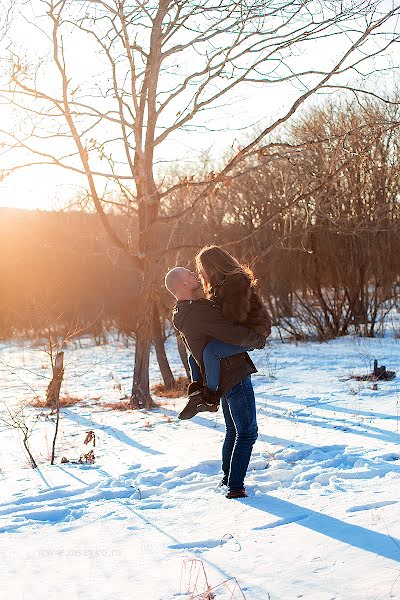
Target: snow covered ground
x=321 y=521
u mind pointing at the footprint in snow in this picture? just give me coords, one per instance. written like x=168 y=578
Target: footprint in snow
x=54 y=515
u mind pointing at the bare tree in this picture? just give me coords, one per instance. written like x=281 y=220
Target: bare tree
x=7 y=8
x=51 y=337
x=53 y=395
x=329 y=262
x=163 y=66
x=18 y=420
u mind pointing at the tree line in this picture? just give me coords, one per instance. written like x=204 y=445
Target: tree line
x=317 y=217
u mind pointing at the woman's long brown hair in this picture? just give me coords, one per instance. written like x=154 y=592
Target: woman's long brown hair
x=217 y=264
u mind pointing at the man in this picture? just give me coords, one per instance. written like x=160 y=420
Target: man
x=198 y=321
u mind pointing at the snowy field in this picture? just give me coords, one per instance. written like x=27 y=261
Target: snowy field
x=322 y=520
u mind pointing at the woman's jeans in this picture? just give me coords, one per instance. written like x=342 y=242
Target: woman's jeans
x=212 y=354
x=239 y=408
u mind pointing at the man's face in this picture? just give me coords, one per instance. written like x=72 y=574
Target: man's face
x=192 y=281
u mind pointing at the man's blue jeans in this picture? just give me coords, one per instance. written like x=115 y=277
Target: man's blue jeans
x=239 y=408
x=195 y=373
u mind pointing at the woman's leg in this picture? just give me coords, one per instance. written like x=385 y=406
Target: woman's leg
x=212 y=354
x=240 y=403
x=195 y=373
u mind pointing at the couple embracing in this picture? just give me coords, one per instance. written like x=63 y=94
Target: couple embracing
x=219 y=330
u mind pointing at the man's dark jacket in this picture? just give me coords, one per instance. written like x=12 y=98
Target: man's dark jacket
x=199 y=321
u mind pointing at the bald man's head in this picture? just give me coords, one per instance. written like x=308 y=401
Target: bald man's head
x=182 y=283
x=173 y=279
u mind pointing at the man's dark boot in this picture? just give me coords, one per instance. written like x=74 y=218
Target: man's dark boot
x=237 y=494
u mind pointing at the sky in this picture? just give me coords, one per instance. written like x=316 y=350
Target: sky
x=225 y=127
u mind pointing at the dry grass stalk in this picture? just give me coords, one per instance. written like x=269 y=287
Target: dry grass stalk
x=121 y=405
x=179 y=390
x=65 y=402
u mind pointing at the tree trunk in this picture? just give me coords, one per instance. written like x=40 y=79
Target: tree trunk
x=141 y=397
x=28 y=450
x=159 y=345
x=58 y=373
x=53 y=389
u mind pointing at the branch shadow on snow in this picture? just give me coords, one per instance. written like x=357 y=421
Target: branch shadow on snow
x=211 y=423
x=176 y=541
x=327 y=405
x=353 y=535
x=113 y=431
x=351 y=426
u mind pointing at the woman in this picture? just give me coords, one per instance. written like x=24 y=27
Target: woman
x=231 y=286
